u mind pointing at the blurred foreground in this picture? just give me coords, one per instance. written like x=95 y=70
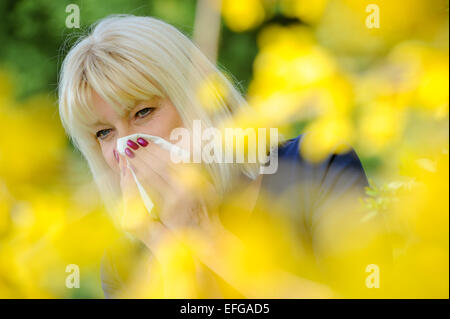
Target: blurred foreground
x=382 y=90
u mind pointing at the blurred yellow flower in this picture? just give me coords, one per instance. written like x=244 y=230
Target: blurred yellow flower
x=242 y=15
x=380 y=125
x=331 y=133
x=307 y=11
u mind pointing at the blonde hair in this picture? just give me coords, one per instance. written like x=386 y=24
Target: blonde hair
x=125 y=58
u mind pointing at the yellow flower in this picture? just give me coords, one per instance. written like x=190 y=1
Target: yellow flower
x=242 y=15
x=331 y=133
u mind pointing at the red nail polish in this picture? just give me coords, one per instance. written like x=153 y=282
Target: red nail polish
x=132 y=144
x=116 y=156
x=142 y=142
x=129 y=153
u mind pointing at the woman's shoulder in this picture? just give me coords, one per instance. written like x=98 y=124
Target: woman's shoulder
x=335 y=169
x=303 y=190
x=290 y=149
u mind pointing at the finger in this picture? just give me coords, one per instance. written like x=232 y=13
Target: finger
x=175 y=181
x=152 y=169
x=187 y=180
x=149 y=169
x=126 y=178
x=150 y=172
x=154 y=162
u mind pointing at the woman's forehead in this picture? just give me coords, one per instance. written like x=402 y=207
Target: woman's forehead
x=102 y=108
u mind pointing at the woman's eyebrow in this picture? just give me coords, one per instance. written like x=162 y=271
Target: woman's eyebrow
x=138 y=103
x=126 y=113
x=99 y=123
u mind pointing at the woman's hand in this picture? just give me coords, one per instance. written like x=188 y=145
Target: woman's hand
x=182 y=195
x=179 y=203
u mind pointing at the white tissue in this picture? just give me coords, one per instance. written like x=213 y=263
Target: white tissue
x=174 y=149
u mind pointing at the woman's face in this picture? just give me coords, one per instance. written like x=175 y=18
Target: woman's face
x=157 y=116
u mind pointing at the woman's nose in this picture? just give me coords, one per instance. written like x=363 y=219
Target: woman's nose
x=123 y=131
x=126 y=130
x=127 y=145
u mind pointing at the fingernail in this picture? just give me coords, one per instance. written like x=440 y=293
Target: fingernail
x=129 y=153
x=116 y=156
x=132 y=144
x=142 y=142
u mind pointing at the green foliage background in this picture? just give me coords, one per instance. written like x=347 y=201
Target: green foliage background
x=34 y=37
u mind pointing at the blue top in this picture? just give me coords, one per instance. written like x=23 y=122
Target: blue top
x=307 y=190
x=331 y=178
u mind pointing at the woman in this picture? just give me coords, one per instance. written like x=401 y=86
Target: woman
x=141 y=75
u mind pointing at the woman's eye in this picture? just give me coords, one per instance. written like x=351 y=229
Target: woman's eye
x=144 y=112
x=103 y=133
